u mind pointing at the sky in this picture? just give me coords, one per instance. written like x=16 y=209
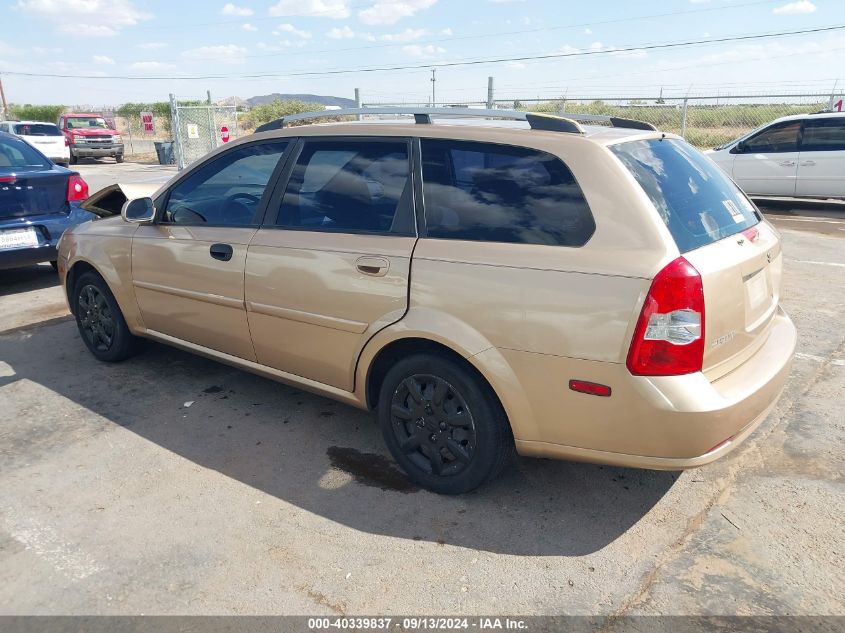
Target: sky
x=143 y=50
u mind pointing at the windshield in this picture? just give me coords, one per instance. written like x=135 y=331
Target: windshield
x=696 y=200
x=76 y=123
x=37 y=129
x=17 y=155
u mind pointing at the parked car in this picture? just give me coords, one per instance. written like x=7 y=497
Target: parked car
x=594 y=293
x=89 y=136
x=45 y=137
x=38 y=202
x=800 y=156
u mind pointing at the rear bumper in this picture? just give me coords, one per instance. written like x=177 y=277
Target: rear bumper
x=80 y=151
x=49 y=229
x=668 y=422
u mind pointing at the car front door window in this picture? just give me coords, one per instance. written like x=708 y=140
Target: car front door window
x=226 y=191
x=779 y=138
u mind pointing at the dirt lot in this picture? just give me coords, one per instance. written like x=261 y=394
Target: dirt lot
x=117 y=497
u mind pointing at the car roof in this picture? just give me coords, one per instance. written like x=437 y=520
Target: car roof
x=33 y=122
x=811 y=115
x=512 y=132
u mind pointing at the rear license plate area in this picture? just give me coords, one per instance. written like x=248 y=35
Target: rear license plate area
x=18 y=238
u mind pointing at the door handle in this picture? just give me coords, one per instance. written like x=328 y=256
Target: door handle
x=787 y=163
x=808 y=163
x=223 y=252
x=375 y=266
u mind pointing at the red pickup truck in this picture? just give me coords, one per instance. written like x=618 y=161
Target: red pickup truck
x=90 y=136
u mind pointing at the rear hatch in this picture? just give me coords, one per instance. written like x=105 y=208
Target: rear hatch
x=45 y=137
x=720 y=232
x=29 y=183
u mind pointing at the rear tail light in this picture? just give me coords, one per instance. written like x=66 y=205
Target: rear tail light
x=66 y=143
x=77 y=188
x=669 y=337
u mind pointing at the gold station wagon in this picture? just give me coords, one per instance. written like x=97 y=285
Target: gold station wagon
x=580 y=288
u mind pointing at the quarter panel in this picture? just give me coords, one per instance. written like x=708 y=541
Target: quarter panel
x=517 y=306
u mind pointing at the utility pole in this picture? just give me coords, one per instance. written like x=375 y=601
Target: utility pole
x=489 y=93
x=433 y=82
x=3 y=100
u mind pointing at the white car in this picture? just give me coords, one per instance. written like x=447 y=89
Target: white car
x=800 y=156
x=45 y=137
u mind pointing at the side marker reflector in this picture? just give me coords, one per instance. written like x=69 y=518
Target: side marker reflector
x=590 y=388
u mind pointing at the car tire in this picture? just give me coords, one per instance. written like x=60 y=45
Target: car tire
x=443 y=424
x=74 y=159
x=119 y=158
x=100 y=321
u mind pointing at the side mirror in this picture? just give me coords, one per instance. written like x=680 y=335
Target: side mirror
x=138 y=211
x=739 y=148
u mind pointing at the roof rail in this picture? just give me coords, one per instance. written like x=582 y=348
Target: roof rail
x=423 y=116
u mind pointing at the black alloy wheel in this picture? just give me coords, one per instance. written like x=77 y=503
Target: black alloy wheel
x=433 y=425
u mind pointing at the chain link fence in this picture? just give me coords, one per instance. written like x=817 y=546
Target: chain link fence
x=703 y=120
x=199 y=129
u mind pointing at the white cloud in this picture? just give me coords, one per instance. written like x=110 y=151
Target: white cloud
x=424 y=52
x=336 y=9
x=102 y=59
x=152 y=46
x=231 y=9
x=290 y=28
x=101 y=18
x=447 y=31
x=391 y=11
x=343 y=33
x=246 y=26
x=152 y=66
x=515 y=65
x=800 y=6
x=223 y=54
x=588 y=31
x=408 y=35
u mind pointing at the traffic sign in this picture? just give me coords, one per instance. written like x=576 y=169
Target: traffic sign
x=224 y=134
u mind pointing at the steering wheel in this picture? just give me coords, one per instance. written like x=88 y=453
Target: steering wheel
x=243 y=194
x=246 y=202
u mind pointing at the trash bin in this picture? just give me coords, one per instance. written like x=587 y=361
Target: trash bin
x=164 y=151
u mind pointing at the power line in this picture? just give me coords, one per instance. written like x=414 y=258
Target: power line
x=460 y=38
x=475 y=62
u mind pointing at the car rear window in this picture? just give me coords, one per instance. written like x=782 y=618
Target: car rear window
x=37 y=129
x=17 y=154
x=696 y=200
x=486 y=192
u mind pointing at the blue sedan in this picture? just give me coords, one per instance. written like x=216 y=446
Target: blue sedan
x=38 y=201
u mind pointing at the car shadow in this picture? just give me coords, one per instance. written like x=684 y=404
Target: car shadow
x=15 y=280
x=325 y=457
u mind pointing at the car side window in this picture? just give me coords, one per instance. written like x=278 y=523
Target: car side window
x=781 y=137
x=824 y=135
x=227 y=190
x=487 y=192
x=350 y=186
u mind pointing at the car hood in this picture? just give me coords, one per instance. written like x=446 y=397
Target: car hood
x=110 y=200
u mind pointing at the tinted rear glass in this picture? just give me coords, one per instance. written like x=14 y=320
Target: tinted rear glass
x=696 y=200
x=37 y=129
x=16 y=154
x=824 y=135
x=486 y=192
